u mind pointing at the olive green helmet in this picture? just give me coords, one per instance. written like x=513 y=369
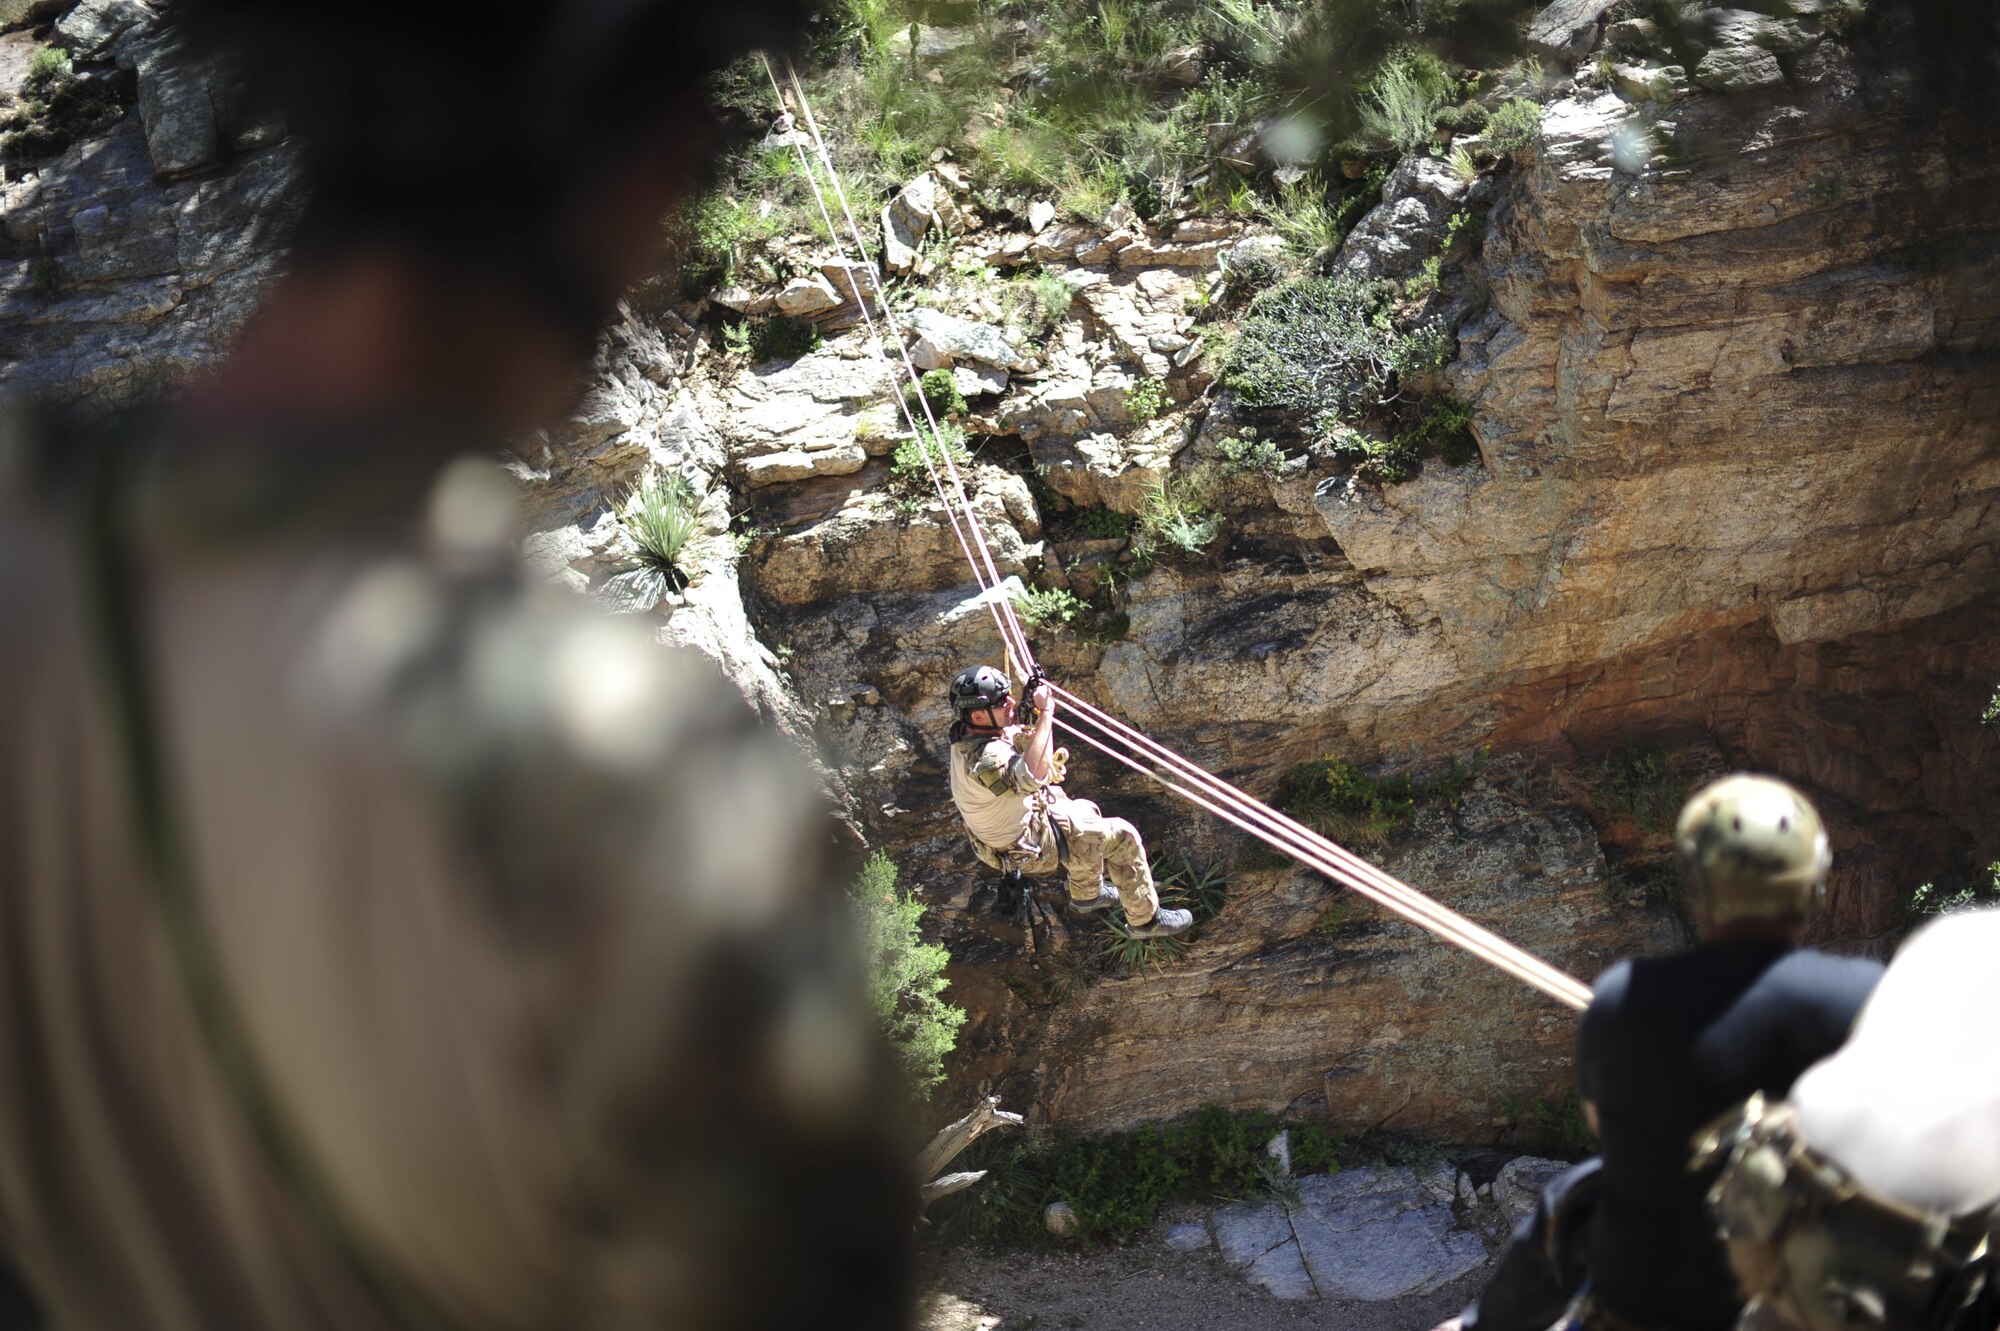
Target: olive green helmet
x=1751 y=847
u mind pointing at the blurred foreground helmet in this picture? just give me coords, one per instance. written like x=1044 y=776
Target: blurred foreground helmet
x=1751 y=847
x=472 y=130
x=978 y=686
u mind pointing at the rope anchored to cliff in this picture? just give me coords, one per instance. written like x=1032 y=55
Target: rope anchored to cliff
x=1084 y=721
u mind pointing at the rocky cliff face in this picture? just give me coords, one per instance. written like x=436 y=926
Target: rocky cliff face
x=1730 y=356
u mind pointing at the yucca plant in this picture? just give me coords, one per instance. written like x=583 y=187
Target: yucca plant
x=662 y=514
x=1202 y=889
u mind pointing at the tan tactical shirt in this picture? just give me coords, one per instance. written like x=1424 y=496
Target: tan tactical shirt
x=525 y=916
x=993 y=788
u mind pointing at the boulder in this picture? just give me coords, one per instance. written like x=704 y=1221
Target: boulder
x=1190 y=1237
x=1283 y=1274
x=919 y=206
x=1649 y=83
x=1738 y=69
x=1518 y=1186
x=804 y=297
x=1747 y=27
x=176 y=111
x=743 y=301
x=1383 y=1234
x=931 y=42
x=1632 y=34
x=1184 y=65
x=1040 y=213
x=90 y=30
x=1566 y=29
x=976 y=380
x=851 y=279
x=1407 y=227
x=952 y=339
x=1245 y=1231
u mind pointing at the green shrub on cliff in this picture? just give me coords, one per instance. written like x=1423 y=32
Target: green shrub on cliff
x=1175 y=521
x=905 y=975
x=1400 y=106
x=1974 y=890
x=1514 y=126
x=661 y=514
x=1346 y=804
x=939 y=391
x=1117 y=1182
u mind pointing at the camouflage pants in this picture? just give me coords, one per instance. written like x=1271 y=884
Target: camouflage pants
x=1101 y=848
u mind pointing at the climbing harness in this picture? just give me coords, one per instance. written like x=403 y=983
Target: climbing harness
x=1083 y=720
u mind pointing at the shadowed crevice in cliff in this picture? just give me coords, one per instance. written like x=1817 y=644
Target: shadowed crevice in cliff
x=1883 y=728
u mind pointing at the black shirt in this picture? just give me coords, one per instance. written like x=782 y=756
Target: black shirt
x=1667 y=1045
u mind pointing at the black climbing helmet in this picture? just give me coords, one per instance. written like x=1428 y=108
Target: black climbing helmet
x=978 y=686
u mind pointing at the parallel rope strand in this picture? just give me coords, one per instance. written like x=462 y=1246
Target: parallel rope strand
x=1090 y=724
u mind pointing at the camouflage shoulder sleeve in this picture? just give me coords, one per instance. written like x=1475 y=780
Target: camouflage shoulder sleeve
x=999 y=767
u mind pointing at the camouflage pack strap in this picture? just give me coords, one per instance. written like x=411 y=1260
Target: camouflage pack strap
x=1827 y=1254
x=111 y=578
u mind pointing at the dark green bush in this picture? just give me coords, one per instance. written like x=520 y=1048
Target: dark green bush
x=1514 y=126
x=905 y=975
x=1327 y=348
x=782 y=337
x=1105 y=523
x=1117 y=1183
x=939 y=389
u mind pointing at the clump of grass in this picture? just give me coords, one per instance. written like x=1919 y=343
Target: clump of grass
x=1346 y=804
x=1514 y=126
x=911 y=463
x=1310 y=224
x=58 y=107
x=1146 y=400
x=1175 y=521
x=1039 y=304
x=1400 y=107
x=1105 y=524
x=939 y=389
x=662 y=515
x=46 y=65
x=1050 y=608
x=782 y=337
x=1245 y=278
